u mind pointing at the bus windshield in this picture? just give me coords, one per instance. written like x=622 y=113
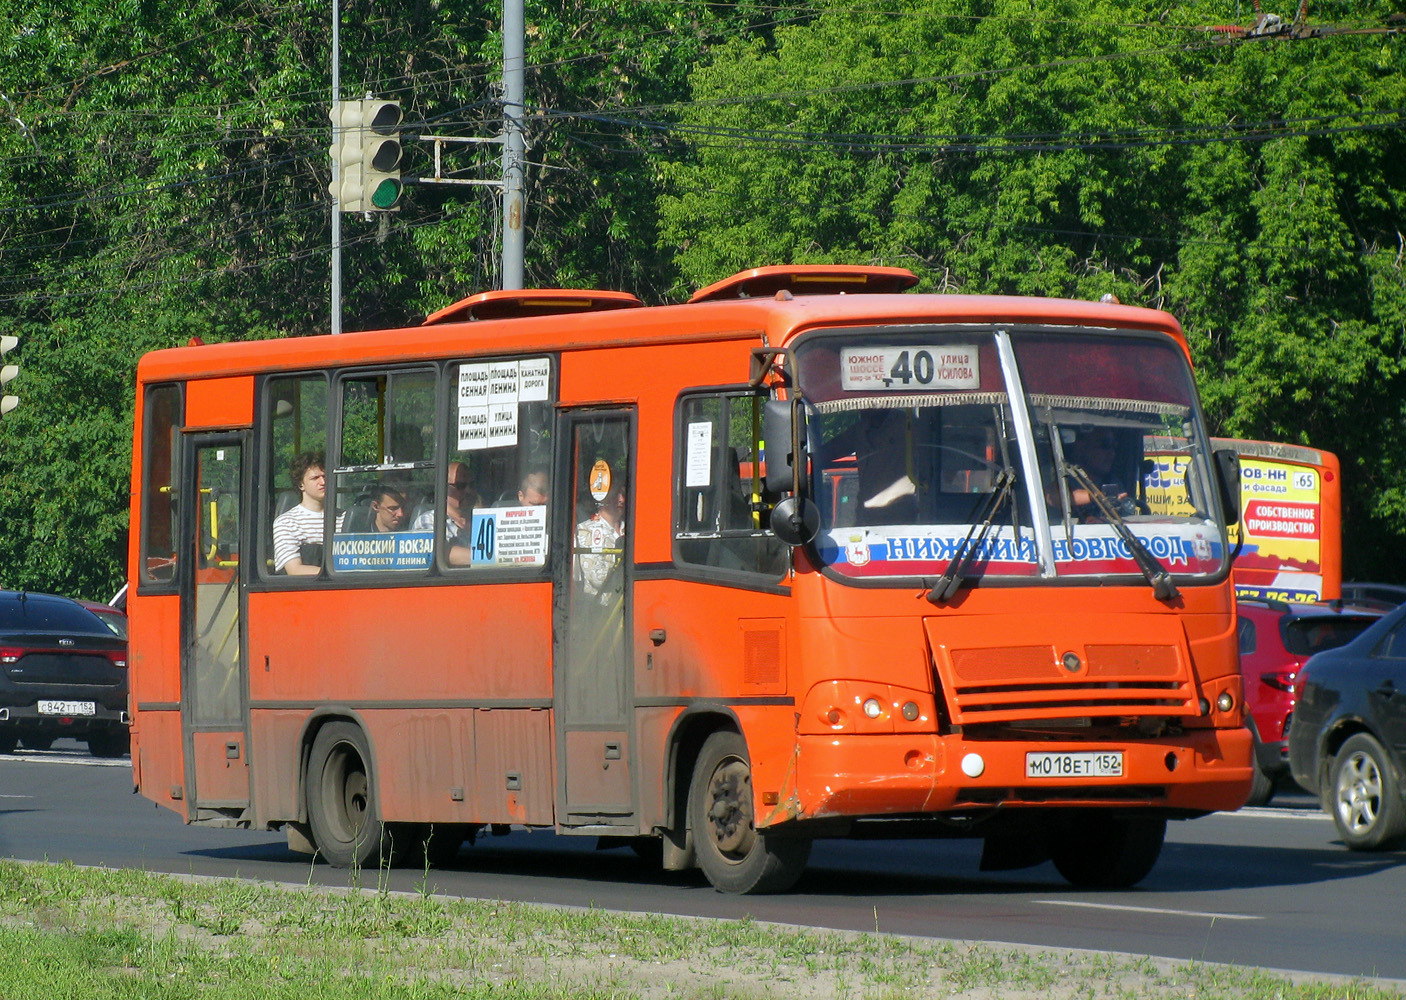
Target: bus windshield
x=1022 y=453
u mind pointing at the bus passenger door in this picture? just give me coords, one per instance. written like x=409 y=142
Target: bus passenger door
x=214 y=678
x=592 y=611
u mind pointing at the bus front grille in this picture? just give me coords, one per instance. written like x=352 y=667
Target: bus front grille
x=1006 y=684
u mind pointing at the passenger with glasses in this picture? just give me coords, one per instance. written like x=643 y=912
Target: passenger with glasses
x=460 y=502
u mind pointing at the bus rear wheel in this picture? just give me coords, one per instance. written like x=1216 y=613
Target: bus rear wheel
x=734 y=855
x=1101 y=851
x=342 y=807
x=435 y=844
x=111 y=743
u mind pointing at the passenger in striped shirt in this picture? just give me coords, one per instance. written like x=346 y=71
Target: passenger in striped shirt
x=302 y=524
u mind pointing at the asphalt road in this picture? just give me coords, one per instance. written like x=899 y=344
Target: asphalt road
x=1270 y=888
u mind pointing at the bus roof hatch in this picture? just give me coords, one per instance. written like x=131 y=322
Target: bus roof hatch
x=518 y=303
x=808 y=279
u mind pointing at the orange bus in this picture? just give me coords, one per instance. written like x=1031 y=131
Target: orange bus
x=806 y=556
x=1291 y=497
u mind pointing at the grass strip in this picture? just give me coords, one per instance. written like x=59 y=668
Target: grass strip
x=94 y=934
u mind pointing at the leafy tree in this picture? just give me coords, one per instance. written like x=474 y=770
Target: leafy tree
x=163 y=173
x=1254 y=188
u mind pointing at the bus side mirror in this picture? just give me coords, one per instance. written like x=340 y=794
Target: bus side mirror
x=779 y=433
x=796 y=520
x=1228 y=482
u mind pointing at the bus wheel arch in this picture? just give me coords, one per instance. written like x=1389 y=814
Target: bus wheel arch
x=341 y=798
x=686 y=738
x=734 y=855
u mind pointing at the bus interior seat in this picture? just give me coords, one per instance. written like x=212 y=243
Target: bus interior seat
x=734 y=513
x=286 y=500
x=359 y=517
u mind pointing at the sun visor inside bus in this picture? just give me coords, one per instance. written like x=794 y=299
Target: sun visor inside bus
x=808 y=279
x=518 y=303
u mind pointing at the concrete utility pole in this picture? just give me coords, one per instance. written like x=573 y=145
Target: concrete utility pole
x=514 y=146
x=336 y=176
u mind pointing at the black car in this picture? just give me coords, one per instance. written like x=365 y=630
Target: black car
x=1276 y=639
x=1382 y=596
x=63 y=672
x=1347 y=736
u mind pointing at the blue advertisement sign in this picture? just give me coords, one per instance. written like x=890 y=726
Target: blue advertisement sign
x=375 y=550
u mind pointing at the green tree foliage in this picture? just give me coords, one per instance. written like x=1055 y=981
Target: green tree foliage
x=1254 y=188
x=163 y=172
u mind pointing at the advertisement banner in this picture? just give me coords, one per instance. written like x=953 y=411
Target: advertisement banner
x=1282 y=519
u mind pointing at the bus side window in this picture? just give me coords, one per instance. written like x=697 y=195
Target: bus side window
x=296 y=409
x=500 y=449
x=162 y=418
x=384 y=472
x=720 y=523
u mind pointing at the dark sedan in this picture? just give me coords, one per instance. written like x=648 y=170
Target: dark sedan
x=1276 y=639
x=1347 y=736
x=63 y=672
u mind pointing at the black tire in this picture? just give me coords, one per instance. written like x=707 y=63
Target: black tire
x=435 y=844
x=733 y=854
x=342 y=806
x=111 y=743
x=1261 y=788
x=1099 y=850
x=1365 y=796
x=650 y=850
x=35 y=742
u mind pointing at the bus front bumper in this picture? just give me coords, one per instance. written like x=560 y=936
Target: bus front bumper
x=861 y=776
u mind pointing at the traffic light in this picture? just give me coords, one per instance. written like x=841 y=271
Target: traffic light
x=366 y=148
x=8 y=372
x=380 y=156
x=347 y=139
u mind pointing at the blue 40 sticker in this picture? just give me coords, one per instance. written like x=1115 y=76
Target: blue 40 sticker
x=483 y=539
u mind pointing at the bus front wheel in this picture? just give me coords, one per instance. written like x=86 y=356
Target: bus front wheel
x=1100 y=851
x=734 y=855
x=342 y=808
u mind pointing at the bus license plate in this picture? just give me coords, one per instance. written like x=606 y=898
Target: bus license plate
x=1080 y=764
x=67 y=708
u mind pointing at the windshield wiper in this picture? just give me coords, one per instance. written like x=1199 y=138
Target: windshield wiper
x=951 y=581
x=1150 y=565
x=1066 y=503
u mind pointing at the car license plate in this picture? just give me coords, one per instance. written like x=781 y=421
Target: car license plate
x=67 y=708
x=1079 y=764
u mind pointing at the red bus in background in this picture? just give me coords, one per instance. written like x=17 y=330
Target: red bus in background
x=771 y=565
x=1291 y=522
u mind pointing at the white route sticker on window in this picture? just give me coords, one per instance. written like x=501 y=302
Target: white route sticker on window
x=473 y=428
x=502 y=382
x=502 y=425
x=536 y=378
x=473 y=385
x=905 y=369
x=698 y=470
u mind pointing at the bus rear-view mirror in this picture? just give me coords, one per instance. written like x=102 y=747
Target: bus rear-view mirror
x=1228 y=482
x=779 y=434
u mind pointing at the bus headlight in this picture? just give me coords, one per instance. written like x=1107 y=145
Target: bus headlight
x=872 y=708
